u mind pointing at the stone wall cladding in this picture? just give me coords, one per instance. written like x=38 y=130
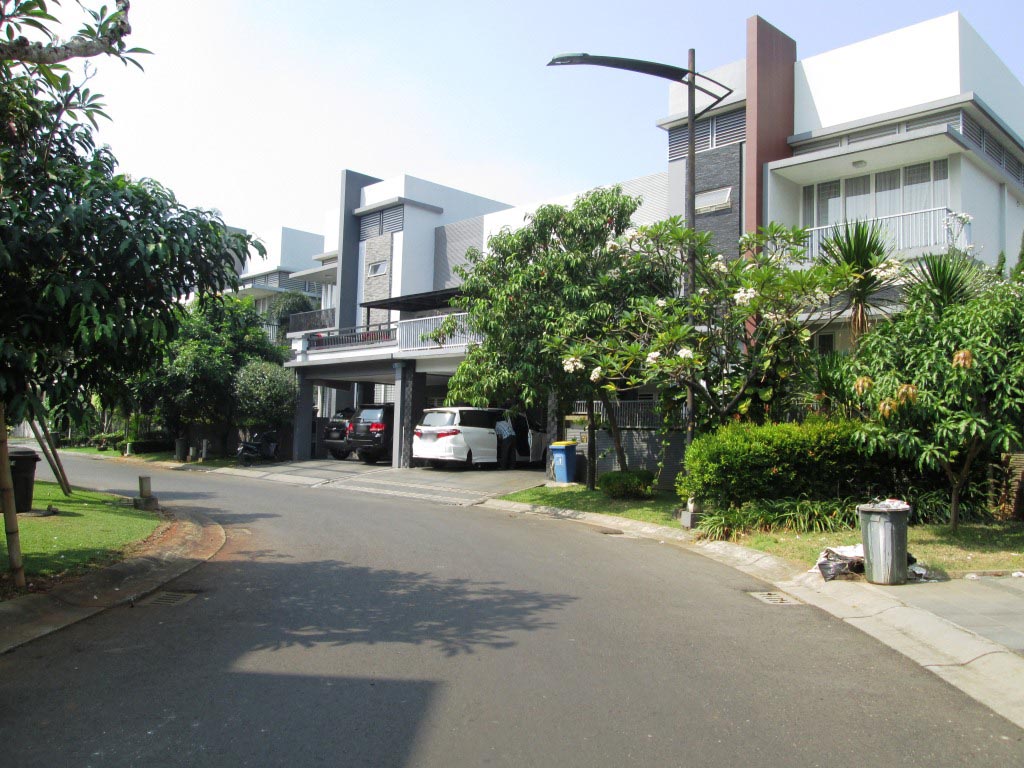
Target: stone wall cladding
x=717 y=168
x=378 y=249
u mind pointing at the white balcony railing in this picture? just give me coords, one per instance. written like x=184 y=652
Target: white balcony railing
x=413 y=334
x=907 y=233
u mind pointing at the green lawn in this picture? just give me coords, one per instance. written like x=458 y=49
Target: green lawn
x=92 y=529
x=990 y=547
x=661 y=509
x=214 y=462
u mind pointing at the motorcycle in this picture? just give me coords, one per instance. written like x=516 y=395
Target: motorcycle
x=262 y=446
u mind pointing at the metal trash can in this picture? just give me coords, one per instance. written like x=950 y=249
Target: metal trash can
x=23 y=473
x=563 y=459
x=883 y=530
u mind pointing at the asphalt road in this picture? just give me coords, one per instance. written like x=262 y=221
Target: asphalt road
x=354 y=630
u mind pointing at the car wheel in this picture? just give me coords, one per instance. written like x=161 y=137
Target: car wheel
x=368 y=458
x=339 y=455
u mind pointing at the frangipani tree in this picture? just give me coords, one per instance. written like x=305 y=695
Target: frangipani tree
x=738 y=341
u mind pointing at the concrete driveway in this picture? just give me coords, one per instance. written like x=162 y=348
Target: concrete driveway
x=458 y=486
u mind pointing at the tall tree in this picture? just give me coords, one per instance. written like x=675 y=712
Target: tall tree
x=91 y=262
x=562 y=274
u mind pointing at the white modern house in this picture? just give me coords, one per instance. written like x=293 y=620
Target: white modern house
x=905 y=128
x=265 y=279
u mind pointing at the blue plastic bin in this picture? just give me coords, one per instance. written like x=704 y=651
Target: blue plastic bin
x=563 y=459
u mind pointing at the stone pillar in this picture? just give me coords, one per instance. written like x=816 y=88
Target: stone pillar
x=302 y=434
x=410 y=399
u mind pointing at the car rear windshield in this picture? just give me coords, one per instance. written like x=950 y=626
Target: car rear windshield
x=438 y=418
x=371 y=414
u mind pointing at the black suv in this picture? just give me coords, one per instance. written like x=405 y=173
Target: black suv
x=336 y=434
x=370 y=432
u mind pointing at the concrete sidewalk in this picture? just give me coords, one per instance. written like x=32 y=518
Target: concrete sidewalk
x=188 y=539
x=969 y=632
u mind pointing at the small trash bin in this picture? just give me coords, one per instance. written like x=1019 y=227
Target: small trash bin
x=180 y=448
x=563 y=459
x=883 y=530
x=23 y=473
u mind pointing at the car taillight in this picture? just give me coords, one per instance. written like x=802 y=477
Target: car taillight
x=449 y=432
x=418 y=432
x=377 y=426
x=351 y=428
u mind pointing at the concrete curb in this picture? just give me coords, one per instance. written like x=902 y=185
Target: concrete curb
x=986 y=671
x=190 y=539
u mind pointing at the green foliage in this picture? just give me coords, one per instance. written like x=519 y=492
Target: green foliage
x=738 y=341
x=264 y=395
x=800 y=515
x=194 y=383
x=558 y=276
x=287 y=304
x=944 y=383
x=92 y=262
x=626 y=484
x=743 y=462
x=942 y=280
x=860 y=252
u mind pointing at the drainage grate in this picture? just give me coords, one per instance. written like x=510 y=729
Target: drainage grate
x=774 y=598
x=168 y=598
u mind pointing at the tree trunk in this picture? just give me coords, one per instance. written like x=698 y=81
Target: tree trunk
x=613 y=425
x=591 y=446
x=56 y=457
x=555 y=427
x=954 y=507
x=10 y=511
x=51 y=458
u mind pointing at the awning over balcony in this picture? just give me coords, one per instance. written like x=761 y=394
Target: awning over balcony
x=887 y=152
x=416 y=302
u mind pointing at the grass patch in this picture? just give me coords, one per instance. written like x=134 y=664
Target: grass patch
x=974 y=547
x=660 y=509
x=91 y=530
x=165 y=456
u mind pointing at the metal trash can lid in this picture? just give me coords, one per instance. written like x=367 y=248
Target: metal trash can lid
x=22 y=454
x=889 y=505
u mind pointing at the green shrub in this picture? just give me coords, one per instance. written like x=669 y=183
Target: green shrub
x=800 y=515
x=628 y=484
x=740 y=462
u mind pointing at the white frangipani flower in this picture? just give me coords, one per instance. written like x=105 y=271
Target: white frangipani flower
x=686 y=353
x=744 y=296
x=595 y=375
x=653 y=356
x=572 y=364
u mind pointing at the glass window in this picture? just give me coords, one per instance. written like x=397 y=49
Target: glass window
x=940 y=184
x=916 y=187
x=829 y=204
x=808 y=211
x=826 y=343
x=438 y=418
x=887 y=193
x=858 y=198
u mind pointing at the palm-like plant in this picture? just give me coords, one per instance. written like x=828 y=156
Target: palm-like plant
x=860 y=251
x=942 y=280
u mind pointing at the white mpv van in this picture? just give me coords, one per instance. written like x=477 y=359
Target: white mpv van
x=466 y=435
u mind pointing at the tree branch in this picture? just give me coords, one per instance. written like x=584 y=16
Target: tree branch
x=109 y=40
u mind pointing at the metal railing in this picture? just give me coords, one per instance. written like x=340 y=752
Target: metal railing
x=272 y=332
x=629 y=414
x=311 y=321
x=412 y=334
x=919 y=231
x=360 y=336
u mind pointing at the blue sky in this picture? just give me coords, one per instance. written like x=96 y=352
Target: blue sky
x=253 y=107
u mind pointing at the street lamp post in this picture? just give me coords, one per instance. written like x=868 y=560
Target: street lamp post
x=718 y=95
